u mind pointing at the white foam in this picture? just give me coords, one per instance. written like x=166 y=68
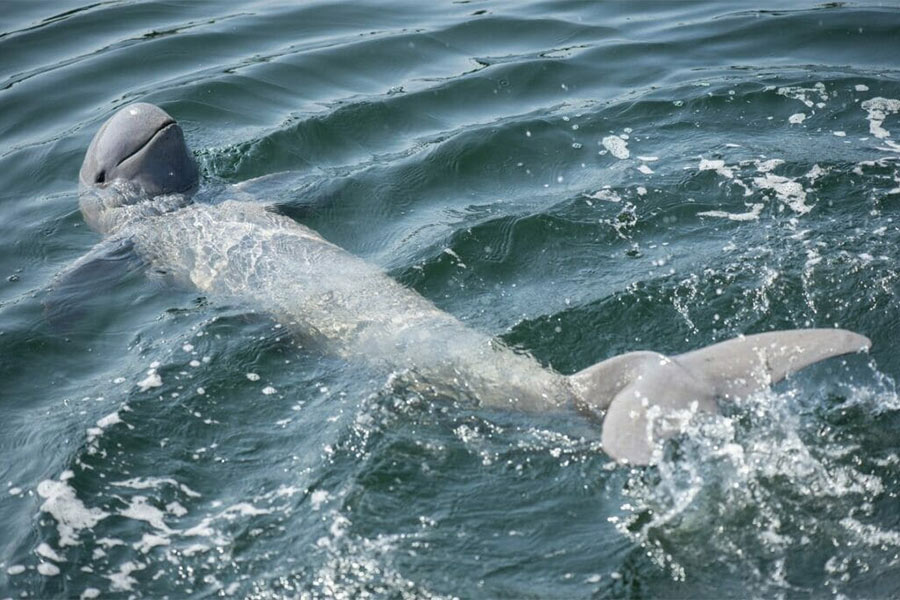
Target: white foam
x=796 y=118
x=751 y=215
x=140 y=510
x=861 y=87
x=870 y=534
x=787 y=190
x=716 y=165
x=890 y=146
x=205 y=528
x=451 y=252
x=122 y=580
x=70 y=513
x=645 y=170
x=269 y=390
x=89 y=594
x=243 y=509
x=47 y=569
x=253 y=376
x=175 y=508
x=201 y=529
x=15 y=570
x=110 y=419
x=355 y=565
x=764 y=166
x=147 y=483
x=143 y=483
x=605 y=195
x=44 y=550
x=815 y=172
x=150 y=541
x=318 y=498
x=189 y=491
x=152 y=380
x=194 y=549
x=880 y=109
x=804 y=95
x=616 y=146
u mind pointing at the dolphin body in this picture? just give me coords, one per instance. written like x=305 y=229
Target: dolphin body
x=136 y=184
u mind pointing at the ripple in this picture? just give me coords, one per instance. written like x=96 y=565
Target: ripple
x=461 y=147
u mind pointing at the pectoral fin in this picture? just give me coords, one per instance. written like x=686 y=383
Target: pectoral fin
x=75 y=290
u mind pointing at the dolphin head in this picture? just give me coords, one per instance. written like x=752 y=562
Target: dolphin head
x=138 y=154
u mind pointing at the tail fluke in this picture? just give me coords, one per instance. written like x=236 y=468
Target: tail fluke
x=647 y=396
x=749 y=363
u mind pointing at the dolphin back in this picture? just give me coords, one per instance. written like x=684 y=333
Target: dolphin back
x=648 y=396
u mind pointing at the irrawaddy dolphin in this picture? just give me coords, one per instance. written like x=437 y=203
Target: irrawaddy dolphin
x=136 y=188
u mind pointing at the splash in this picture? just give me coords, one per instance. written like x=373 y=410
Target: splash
x=773 y=481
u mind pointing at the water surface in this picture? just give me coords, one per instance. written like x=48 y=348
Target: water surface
x=580 y=179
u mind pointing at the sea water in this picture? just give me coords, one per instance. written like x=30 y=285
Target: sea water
x=580 y=179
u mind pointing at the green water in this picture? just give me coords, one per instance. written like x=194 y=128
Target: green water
x=579 y=178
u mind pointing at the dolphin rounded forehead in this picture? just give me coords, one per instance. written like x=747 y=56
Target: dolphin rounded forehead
x=120 y=137
x=142 y=150
x=128 y=130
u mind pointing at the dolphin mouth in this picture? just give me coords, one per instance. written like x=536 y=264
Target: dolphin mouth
x=159 y=131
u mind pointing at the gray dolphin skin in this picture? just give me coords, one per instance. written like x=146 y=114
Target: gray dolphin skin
x=136 y=185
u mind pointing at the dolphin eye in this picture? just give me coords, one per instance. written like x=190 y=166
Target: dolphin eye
x=101 y=177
